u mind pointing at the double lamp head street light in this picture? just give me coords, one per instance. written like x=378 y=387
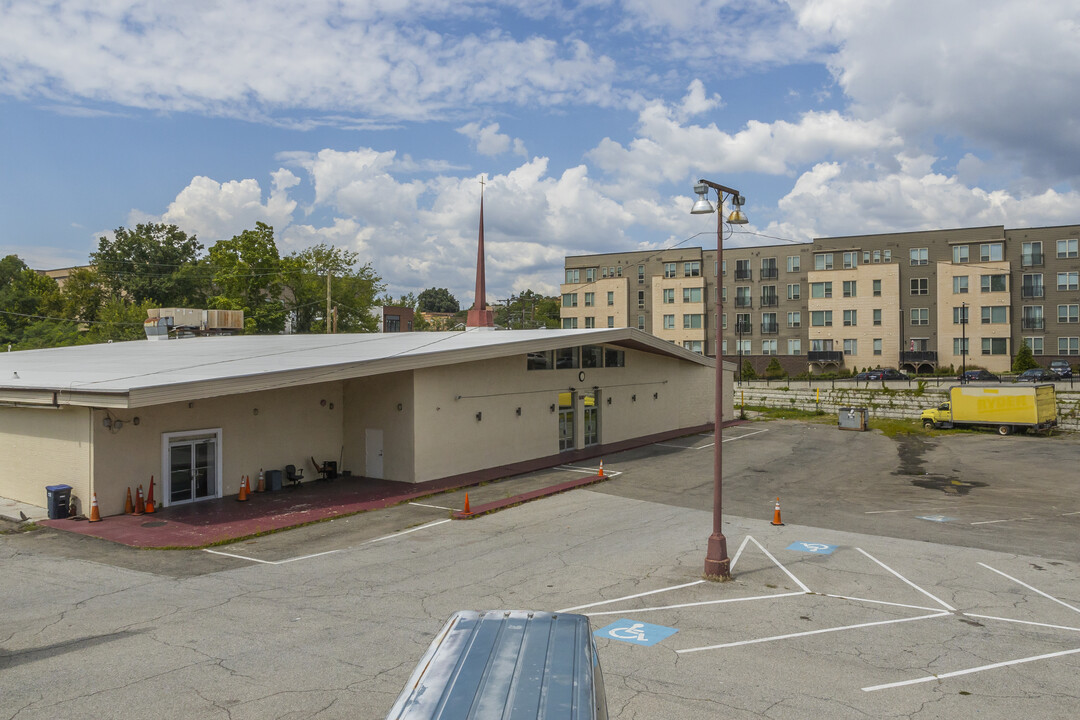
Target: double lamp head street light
x=717 y=563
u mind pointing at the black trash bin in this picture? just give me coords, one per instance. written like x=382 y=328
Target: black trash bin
x=59 y=501
x=273 y=480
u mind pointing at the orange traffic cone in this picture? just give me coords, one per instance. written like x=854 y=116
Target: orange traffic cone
x=128 y=507
x=466 y=509
x=150 y=497
x=95 y=514
x=243 y=496
x=140 y=508
x=601 y=473
x=776 y=514
x=261 y=487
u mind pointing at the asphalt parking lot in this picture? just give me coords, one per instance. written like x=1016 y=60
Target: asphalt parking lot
x=858 y=606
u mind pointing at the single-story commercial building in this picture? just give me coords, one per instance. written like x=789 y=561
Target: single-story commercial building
x=200 y=413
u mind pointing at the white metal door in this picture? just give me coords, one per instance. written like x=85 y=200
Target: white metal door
x=373 y=457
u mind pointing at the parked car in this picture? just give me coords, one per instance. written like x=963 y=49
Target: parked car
x=1061 y=368
x=978 y=376
x=881 y=374
x=1037 y=375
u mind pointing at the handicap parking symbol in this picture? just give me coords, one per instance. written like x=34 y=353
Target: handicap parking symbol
x=935 y=518
x=635 y=633
x=811 y=547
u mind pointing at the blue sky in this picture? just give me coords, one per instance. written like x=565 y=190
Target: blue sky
x=367 y=124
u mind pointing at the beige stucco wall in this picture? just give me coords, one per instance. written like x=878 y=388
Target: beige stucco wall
x=864 y=303
x=451 y=441
x=291 y=425
x=45 y=447
x=679 y=335
x=976 y=300
x=372 y=403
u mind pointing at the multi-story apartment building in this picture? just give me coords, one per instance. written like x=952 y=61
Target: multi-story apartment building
x=916 y=300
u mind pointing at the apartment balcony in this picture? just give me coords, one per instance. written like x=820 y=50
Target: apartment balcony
x=769 y=273
x=836 y=356
x=744 y=274
x=743 y=302
x=770 y=300
x=743 y=328
x=1033 y=323
x=1031 y=291
x=1032 y=260
x=918 y=356
x=770 y=328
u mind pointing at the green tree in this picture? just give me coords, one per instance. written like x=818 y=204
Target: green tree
x=528 y=310
x=437 y=300
x=26 y=297
x=154 y=262
x=748 y=372
x=1024 y=359
x=354 y=289
x=774 y=370
x=82 y=295
x=117 y=321
x=247 y=274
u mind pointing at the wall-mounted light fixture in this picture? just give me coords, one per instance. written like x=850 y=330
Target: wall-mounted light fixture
x=135 y=420
x=255 y=411
x=400 y=407
x=323 y=402
x=552 y=407
x=331 y=406
x=655 y=396
x=609 y=401
x=107 y=422
x=479 y=416
x=633 y=398
x=519 y=412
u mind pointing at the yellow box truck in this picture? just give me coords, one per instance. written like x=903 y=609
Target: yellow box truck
x=1003 y=407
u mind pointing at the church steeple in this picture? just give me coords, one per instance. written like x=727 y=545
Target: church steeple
x=479 y=316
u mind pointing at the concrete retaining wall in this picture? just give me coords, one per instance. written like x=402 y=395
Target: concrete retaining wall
x=898 y=400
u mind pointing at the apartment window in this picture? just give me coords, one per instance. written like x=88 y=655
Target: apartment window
x=960 y=346
x=603 y=272
x=590 y=322
x=669 y=296
x=821 y=345
x=669 y=322
x=877 y=346
x=877 y=317
x=849 y=288
x=1068 y=313
x=1068 y=281
x=573 y=276
x=918 y=256
x=866 y=257
x=959 y=315
x=693 y=321
x=794 y=347
x=723 y=295
x=821 y=318
x=960 y=284
x=692 y=269
x=1031 y=254
x=641 y=274
x=723 y=321
x=768 y=347
x=1036 y=345
x=742 y=270
x=569 y=323
x=920 y=316
x=1031 y=317
x=669 y=270
x=821 y=290
x=991 y=252
x=742 y=297
x=995 y=346
x=768 y=323
x=850 y=318
x=618 y=271
x=1068 y=346
x=996 y=315
x=823 y=261
x=769 y=298
x=743 y=347
x=877 y=288
x=724 y=267
x=569 y=300
x=960 y=253
x=691 y=295
x=793 y=263
x=920 y=286
x=851 y=346
x=590 y=299
x=590 y=274
x=877 y=256
x=611 y=298
x=640 y=322
x=768 y=269
x=851 y=259
x=641 y=299
x=794 y=319
x=742 y=323
x=993 y=283
x=886 y=255
x=723 y=347
x=1067 y=248
x=1031 y=285
x=693 y=346
x=611 y=321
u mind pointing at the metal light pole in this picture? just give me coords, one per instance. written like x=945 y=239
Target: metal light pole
x=963 y=343
x=717 y=563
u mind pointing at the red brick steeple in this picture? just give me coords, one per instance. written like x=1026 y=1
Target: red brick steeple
x=479 y=315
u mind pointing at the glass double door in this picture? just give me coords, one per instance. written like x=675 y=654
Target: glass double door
x=193 y=472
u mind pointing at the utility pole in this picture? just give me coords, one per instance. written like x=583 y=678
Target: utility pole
x=328 y=328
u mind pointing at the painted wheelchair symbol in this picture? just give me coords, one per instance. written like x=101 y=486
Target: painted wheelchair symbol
x=635 y=632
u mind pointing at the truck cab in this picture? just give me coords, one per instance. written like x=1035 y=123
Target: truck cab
x=934 y=417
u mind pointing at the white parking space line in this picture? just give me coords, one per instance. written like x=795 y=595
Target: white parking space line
x=936 y=599
x=957 y=673
x=435 y=507
x=239 y=557
x=756 y=432
x=631 y=597
x=881 y=512
x=769 y=555
x=814 y=632
x=882 y=602
x=1033 y=589
x=696 y=604
x=1022 y=622
x=738 y=552
x=991 y=522
x=406 y=532
x=588 y=471
x=1072 y=513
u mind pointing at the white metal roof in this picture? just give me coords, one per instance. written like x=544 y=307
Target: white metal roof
x=140 y=372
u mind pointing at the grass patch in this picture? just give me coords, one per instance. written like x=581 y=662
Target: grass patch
x=891 y=427
x=773 y=413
